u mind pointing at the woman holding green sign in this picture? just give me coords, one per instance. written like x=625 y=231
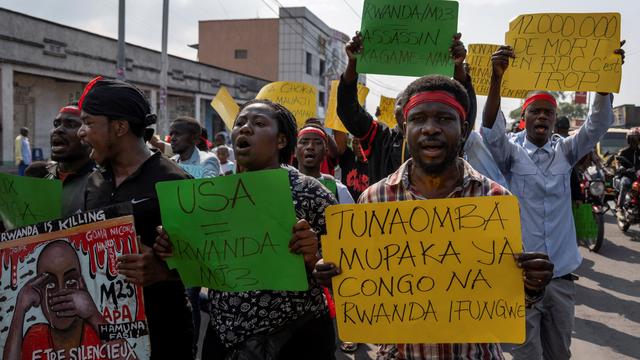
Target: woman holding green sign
x=264 y=324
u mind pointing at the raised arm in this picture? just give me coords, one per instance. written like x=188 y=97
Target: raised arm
x=461 y=74
x=597 y=124
x=494 y=136
x=341 y=141
x=500 y=63
x=354 y=117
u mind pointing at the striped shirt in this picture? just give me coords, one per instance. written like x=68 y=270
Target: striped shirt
x=397 y=187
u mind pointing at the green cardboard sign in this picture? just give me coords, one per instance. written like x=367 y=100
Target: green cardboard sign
x=27 y=201
x=232 y=233
x=330 y=185
x=407 y=37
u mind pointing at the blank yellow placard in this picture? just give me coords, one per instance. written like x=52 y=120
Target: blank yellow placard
x=331 y=120
x=428 y=271
x=299 y=98
x=480 y=67
x=387 y=111
x=225 y=106
x=565 y=52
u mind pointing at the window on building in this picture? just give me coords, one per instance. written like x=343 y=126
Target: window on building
x=241 y=53
x=322 y=65
x=309 y=63
x=321 y=98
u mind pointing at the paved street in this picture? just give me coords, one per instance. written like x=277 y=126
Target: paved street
x=608 y=300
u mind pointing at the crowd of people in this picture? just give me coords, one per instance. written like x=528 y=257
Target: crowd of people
x=104 y=153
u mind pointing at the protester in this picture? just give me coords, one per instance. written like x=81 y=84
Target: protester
x=628 y=160
x=227 y=167
x=562 y=126
x=22 y=151
x=114 y=116
x=538 y=170
x=220 y=140
x=311 y=151
x=203 y=143
x=436 y=109
x=330 y=161
x=185 y=135
x=72 y=163
x=290 y=325
x=354 y=166
x=385 y=147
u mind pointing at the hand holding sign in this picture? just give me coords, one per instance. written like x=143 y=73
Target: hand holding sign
x=304 y=241
x=143 y=269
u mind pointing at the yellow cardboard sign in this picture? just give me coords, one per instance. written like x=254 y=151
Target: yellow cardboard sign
x=565 y=52
x=480 y=68
x=387 y=111
x=427 y=271
x=225 y=106
x=299 y=98
x=331 y=119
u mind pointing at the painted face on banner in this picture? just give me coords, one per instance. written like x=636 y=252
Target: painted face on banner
x=60 y=262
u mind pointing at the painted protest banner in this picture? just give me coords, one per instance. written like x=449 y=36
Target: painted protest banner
x=480 y=68
x=232 y=233
x=565 y=52
x=407 y=37
x=331 y=119
x=59 y=281
x=26 y=201
x=430 y=271
x=387 y=111
x=299 y=98
x=225 y=106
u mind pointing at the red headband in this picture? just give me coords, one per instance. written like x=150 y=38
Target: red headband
x=536 y=97
x=70 y=109
x=313 y=130
x=438 y=96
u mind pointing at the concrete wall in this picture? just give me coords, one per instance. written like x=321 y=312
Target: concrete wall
x=43 y=65
x=219 y=39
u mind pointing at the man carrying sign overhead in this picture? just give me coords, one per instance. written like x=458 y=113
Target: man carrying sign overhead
x=436 y=109
x=384 y=147
x=537 y=168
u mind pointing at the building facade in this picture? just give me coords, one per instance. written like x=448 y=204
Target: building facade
x=45 y=65
x=626 y=116
x=297 y=46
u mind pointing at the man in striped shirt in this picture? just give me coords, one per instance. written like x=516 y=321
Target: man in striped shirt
x=436 y=111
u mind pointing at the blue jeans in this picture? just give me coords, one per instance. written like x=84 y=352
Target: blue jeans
x=21 y=168
x=625 y=186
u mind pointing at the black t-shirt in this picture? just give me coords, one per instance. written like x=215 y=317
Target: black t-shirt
x=166 y=306
x=355 y=174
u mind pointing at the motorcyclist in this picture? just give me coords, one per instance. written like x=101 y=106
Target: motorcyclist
x=628 y=160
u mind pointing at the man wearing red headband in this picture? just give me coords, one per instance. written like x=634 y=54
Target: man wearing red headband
x=436 y=111
x=72 y=164
x=384 y=146
x=538 y=170
x=311 y=150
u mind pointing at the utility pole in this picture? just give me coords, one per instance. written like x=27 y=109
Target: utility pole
x=163 y=121
x=121 y=67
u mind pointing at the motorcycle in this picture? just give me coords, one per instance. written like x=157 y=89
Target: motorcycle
x=631 y=204
x=592 y=185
